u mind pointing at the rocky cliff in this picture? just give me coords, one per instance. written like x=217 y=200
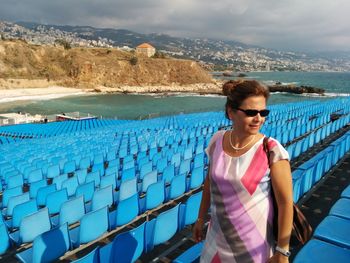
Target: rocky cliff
x=93 y=67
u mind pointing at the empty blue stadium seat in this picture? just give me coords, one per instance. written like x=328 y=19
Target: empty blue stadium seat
x=341 y=208
x=190 y=255
x=4 y=239
x=188 y=212
x=48 y=246
x=334 y=230
x=161 y=228
x=71 y=212
x=89 y=229
x=31 y=226
x=322 y=252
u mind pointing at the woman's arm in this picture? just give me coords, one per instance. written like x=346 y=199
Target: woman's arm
x=203 y=210
x=281 y=179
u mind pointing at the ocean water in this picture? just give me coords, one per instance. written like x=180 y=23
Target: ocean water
x=147 y=106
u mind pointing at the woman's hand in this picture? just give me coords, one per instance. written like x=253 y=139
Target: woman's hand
x=278 y=258
x=197 y=231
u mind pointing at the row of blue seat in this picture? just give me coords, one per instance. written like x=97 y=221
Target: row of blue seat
x=127 y=247
x=331 y=239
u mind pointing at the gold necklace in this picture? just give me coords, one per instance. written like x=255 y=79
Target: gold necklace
x=240 y=148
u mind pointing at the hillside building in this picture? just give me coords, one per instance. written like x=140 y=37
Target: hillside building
x=146 y=50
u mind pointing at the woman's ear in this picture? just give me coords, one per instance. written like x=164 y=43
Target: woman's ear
x=230 y=113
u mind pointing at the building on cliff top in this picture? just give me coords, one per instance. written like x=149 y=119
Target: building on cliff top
x=146 y=49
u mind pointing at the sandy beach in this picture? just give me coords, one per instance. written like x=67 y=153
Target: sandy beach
x=9 y=95
x=22 y=89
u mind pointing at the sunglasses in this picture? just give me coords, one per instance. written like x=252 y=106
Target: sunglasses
x=253 y=113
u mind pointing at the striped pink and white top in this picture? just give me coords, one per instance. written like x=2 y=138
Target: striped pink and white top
x=241 y=207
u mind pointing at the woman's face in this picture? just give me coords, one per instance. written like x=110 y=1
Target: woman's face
x=244 y=124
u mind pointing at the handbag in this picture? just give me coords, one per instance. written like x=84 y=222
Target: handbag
x=302 y=230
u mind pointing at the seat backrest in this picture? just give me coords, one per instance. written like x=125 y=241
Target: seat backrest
x=155 y=195
x=4 y=239
x=71 y=185
x=127 y=189
x=108 y=180
x=34 y=187
x=177 y=186
x=102 y=197
x=35 y=175
x=22 y=210
x=93 y=225
x=72 y=210
x=86 y=190
x=16 y=200
x=53 y=171
x=166 y=225
x=149 y=178
x=127 y=210
x=10 y=192
x=128 y=246
x=33 y=225
x=55 y=200
x=49 y=246
x=43 y=192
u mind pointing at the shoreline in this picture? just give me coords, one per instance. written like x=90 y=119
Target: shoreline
x=14 y=94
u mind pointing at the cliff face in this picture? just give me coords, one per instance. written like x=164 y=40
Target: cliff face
x=90 y=67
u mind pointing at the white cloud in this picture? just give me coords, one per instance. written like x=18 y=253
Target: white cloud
x=281 y=24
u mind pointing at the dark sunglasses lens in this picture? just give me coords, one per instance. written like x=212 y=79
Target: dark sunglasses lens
x=251 y=113
x=264 y=113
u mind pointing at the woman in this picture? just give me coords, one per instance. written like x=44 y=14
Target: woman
x=238 y=185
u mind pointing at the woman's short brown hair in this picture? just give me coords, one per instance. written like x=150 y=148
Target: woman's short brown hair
x=237 y=91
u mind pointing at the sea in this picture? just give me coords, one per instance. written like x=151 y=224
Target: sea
x=143 y=106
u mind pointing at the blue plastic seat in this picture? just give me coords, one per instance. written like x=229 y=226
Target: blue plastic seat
x=55 y=199
x=69 y=167
x=4 y=239
x=145 y=169
x=341 y=208
x=196 y=178
x=58 y=180
x=71 y=185
x=43 y=192
x=15 y=180
x=8 y=193
x=92 y=257
x=81 y=175
x=148 y=179
x=102 y=197
x=92 y=226
x=53 y=171
x=35 y=175
x=188 y=212
x=177 y=187
x=85 y=163
x=93 y=177
x=32 y=226
x=185 y=167
x=126 y=211
x=334 y=230
x=162 y=164
x=71 y=212
x=168 y=173
x=34 y=187
x=155 y=196
x=20 y=211
x=127 y=189
x=126 y=247
x=162 y=228
x=322 y=252
x=346 y=192
x=48 y=246
x=190 y=255
x=86 y=190
x=13 y=201
x=98 y=167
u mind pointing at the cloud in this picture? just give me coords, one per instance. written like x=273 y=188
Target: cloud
x=280 y=24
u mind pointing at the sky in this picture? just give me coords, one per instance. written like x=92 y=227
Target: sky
x=294 y=25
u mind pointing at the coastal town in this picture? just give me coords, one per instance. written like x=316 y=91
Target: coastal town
x=214 y=54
